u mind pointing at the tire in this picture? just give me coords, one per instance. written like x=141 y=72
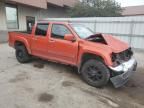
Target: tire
x=22 y=54
x=95 y=73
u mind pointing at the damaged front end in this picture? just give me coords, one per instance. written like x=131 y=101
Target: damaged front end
x=124 y=66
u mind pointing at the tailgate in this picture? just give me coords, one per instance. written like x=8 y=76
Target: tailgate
x=11 y=38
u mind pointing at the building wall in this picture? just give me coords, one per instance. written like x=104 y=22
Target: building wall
x=62 y=3
x=133 y=10
x=56 y=2
x=2 y=17
x=3 y=27
x=70 y=3
x=43 y=3
x=53 y=12
x=23 y=11
x=35 y=3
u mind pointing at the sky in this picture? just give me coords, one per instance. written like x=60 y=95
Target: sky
x=130 y=2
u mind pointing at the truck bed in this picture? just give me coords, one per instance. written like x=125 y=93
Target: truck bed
x=18 y=35
x=25 y=32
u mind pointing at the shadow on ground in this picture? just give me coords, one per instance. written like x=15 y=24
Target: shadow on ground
x=133 y=89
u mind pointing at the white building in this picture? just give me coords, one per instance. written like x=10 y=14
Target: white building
x=21 y=14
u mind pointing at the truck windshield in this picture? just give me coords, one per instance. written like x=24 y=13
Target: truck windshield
x=82 y=31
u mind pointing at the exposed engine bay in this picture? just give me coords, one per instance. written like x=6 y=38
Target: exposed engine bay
x=121 y=57
x=97 y=38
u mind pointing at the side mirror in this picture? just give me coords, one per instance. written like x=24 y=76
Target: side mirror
x=69 y=37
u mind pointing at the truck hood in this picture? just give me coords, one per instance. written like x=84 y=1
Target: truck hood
x=115 y=44
x=111 y=42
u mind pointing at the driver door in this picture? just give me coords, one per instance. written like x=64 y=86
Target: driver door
x=60 y=49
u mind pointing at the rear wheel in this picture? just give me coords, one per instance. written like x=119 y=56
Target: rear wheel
x=22 y=54
x=95 y=73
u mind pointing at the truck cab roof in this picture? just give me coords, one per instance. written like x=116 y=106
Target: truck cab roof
x=52 y=21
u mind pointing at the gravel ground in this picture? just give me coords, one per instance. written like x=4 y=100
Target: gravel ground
x=42 y=84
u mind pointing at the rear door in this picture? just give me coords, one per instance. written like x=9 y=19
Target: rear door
x=60 y=49
x=39 y=42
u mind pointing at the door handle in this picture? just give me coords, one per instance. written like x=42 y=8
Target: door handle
x=52 y=41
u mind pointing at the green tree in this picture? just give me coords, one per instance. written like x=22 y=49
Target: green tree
x=96 y=8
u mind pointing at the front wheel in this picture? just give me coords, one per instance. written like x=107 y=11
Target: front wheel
x=95 y=73
x=22 y=54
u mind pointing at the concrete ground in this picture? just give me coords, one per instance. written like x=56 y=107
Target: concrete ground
x=42 y=84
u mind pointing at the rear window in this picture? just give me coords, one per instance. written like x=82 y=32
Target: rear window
x=41 y=29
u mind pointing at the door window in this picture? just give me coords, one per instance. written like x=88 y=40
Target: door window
x=59 y=31
x=41 y=29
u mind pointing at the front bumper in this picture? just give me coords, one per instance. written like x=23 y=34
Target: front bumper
x=127 y=69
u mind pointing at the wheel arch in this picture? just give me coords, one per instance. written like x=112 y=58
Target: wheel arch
x=22 y=43
x=87 y=56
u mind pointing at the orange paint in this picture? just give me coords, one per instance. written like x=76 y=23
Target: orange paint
x=65 y=50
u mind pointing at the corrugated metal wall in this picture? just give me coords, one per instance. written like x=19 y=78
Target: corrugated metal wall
x=129 y=29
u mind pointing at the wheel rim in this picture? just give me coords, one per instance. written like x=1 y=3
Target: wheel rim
x=94 y=74
x=20 y=54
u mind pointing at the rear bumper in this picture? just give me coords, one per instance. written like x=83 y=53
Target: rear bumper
x=127 y=69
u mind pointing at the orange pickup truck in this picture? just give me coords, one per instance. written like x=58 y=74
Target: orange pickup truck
x=99 y=58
